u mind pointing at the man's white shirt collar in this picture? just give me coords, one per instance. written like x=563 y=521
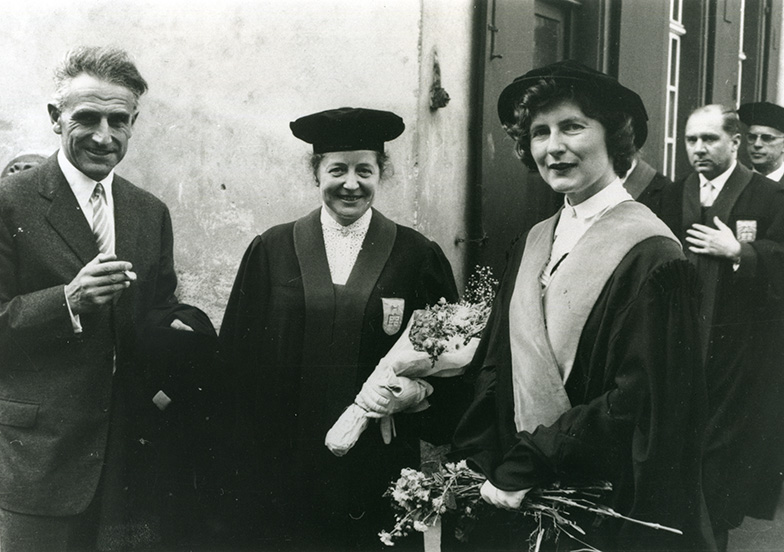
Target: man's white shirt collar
x=719 y=181
x=83 y=186
x=775 y=175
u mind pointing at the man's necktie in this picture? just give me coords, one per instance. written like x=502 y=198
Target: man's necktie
x=102 y=228
x=706 y=194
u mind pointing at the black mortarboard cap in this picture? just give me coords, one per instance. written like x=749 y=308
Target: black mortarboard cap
x=604 y=88
x=762 y=113
x=348 y=129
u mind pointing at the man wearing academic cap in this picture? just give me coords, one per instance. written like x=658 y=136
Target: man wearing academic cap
x=316 y=303
x=765 y=137
x=730 y=221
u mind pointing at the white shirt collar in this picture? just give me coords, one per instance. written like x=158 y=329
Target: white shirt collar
x=719 y=181
x=609 y=197
x=358 y=226
x=777 y=174
x=81 y=184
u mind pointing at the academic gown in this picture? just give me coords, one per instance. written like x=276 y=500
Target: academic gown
x=300 y=348
x=742 y=313
x=637 y=397
x=645 y=184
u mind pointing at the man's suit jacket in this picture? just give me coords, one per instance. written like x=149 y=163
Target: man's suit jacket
x=742 y=310
x=56 y=387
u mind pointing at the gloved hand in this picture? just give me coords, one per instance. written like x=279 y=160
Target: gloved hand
x=384 y=393
x=511 y=500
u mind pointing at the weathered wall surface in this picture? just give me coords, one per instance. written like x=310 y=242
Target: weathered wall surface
x=225 y=79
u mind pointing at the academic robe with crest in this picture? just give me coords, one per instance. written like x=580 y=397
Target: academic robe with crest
x=632 y=408
x=300 y=348
x=742 y=315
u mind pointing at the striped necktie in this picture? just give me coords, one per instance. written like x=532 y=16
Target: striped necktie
x=102 y=228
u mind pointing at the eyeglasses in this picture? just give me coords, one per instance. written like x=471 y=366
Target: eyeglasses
x=766 y=138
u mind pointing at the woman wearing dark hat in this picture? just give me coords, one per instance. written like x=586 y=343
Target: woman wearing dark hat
x=589 y=368
x=315 y=305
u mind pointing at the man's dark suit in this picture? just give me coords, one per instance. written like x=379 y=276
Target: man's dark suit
x=56 y=387
x=742 y=318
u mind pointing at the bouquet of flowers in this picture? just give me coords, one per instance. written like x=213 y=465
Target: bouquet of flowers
x=438 y=341
x=453 y=489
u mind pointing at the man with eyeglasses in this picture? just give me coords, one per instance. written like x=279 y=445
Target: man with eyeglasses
x=765 y=137
x=730 y=221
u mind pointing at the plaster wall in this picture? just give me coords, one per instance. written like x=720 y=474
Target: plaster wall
x=226 y=78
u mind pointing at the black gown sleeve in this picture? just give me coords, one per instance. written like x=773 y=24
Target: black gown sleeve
x=639 y=406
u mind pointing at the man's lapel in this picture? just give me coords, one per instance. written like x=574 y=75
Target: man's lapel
x=64 y=213
x=126 y=220
x=729 y=194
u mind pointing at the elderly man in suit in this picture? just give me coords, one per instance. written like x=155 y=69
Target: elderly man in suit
x=765 y=137
x=85 y=269
x=731 y=223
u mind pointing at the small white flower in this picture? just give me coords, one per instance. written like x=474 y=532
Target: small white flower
x=386 y=538
x=400 y=497
x=420 y=526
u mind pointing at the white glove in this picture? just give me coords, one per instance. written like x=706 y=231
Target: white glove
x=511 y=500
x=384 y=396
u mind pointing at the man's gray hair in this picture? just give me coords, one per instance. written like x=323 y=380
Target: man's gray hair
x=102 y=62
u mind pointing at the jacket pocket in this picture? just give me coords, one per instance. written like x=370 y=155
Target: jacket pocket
x=18 y=414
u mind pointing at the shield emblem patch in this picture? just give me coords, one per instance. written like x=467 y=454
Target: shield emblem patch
x=746 y=231
x=393 y=314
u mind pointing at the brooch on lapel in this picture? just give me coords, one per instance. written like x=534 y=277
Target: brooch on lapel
x=393 y=314
x=746 y=231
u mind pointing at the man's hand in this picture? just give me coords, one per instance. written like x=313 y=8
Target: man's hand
x=511 y=500
x=98 y=283
x=718 y=242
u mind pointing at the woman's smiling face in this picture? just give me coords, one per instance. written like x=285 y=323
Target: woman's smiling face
x=348 y=181
x=570 y=151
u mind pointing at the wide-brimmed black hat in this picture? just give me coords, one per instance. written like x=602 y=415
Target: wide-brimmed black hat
x=762 y=113
x=348 y=129
x=604 y=88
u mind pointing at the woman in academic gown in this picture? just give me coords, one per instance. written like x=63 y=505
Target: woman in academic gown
x=315 y=305
x=589 y=368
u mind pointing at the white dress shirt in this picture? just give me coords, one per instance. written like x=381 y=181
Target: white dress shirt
x=82 y=187
x=576 y=220
x=343 y=243
x=718 y=184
